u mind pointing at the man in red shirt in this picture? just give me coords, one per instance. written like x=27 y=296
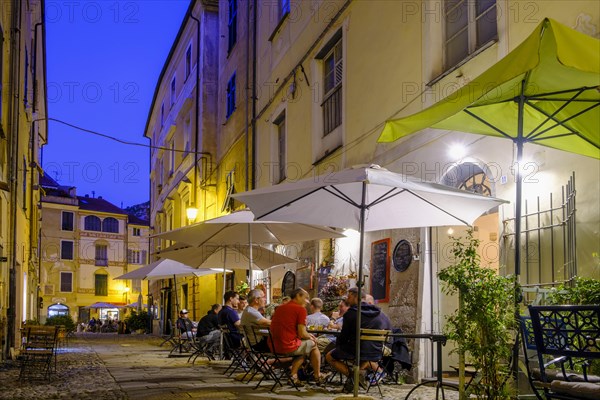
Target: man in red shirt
x=290 y=338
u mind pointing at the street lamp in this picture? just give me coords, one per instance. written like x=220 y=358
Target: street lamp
x=192 y=213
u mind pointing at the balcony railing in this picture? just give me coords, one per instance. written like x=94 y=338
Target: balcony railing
x=102 y=262
x=332 y=110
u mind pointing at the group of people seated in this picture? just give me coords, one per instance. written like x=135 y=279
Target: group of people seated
x=290 y=336
x=97 y=325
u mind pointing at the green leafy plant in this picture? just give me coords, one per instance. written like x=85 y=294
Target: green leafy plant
x=580 y=291
x=64 y=320
x=484 y=324
x=243 y=288
x=136 y=321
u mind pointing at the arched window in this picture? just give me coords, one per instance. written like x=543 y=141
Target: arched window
x=92 y=223
x=57 y=309
x=110 y=225
x=470 y=177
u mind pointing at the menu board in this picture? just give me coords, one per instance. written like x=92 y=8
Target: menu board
x=323 y=277
x=380 y=270
x=304 y=278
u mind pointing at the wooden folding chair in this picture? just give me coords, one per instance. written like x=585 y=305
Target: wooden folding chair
x=38 y=352
x=380 y=336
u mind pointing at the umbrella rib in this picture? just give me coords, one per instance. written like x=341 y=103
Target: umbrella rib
x=385 y=197
x=551 y=116
x=543 y=96
x=568 y=134
x=562 y=99
x=488 y=124
x=341 y=196
x=532 y=136
x=566 y=120
x=213 y=235
x=439 y=208
x=288 y=203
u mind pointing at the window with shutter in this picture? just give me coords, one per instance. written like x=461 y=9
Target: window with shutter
x=333 y=69
x=101 y=255
x=66 y=282
x=468 y=26
x=101 y=285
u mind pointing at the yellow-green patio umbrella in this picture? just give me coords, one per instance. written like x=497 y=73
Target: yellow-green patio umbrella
x=546 y=91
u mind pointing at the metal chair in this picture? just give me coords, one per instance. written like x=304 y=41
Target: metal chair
x=278 y=360
x=572 y=332
x=170 y=338
x=236 y=352
x=201 y=349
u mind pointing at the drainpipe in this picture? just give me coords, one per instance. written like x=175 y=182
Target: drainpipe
x=13 y=118
x=33 y=163
x=246 y=124
x=254 y=18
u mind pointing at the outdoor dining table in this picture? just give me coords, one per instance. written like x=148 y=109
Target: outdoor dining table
x=437 y=338
x=440 y=341
x=333 y=332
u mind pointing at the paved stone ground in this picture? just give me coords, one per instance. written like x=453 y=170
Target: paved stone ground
x=111 y=367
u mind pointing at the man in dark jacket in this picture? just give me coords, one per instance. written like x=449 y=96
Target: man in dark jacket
x=208 y=332
x=209 y=322
x=371 y=318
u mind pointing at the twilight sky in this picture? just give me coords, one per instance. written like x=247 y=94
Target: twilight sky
x=103 y=60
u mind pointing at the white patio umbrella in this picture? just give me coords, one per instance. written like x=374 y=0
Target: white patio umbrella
x=234 y=257
x=367 y=198
x=164 y=269
x=240 y=227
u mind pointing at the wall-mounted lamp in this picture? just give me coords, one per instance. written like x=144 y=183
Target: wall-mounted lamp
x=457 y=151
x=191 y=213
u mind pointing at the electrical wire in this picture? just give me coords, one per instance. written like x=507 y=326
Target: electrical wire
x=116 y=139
x=346 y=147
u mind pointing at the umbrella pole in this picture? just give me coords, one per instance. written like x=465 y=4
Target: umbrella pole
x=223 y=296
x=176 y=297
x=224 y=273
x=518 y=214
x=359 y=285
x=519 y=179
x=250 y=259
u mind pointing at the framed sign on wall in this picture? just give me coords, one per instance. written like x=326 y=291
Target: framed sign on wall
x=402 y=256
x=380 y=270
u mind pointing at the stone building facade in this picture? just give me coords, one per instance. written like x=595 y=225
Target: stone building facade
x=86 y=243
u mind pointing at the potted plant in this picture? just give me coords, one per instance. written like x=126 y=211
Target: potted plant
x=484 y=325
x=138 y=322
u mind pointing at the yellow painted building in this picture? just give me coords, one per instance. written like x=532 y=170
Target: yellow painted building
x=86 y=242
x=330 y=73
x=23 y=131
x=198 y=127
